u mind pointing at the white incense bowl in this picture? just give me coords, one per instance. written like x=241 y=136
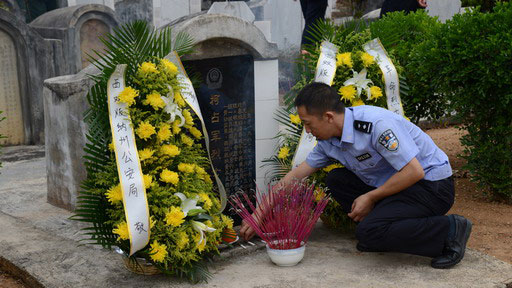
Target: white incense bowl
x=288 y=257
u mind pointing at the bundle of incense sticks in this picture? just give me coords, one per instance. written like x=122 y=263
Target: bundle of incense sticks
x=285 y=215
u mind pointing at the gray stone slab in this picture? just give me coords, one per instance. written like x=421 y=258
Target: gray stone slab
x=39 y=239
x=233 y=8
x=443 y=9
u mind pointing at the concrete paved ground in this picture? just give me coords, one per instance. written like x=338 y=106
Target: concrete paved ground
x=39 y=239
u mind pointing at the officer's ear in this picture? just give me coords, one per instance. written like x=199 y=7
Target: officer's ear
x=329 y=116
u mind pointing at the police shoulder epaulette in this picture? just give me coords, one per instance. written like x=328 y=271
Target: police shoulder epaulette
x=363 y=126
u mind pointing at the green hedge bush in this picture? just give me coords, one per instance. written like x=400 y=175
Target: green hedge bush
x=408 y=31
x=485 y=5
x=471 y=59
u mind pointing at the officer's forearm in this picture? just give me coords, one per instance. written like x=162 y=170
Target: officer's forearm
x=297 y=174
x=403 y=179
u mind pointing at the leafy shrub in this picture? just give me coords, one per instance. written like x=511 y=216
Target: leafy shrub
x=486 y=5
x=408 y=31
x=471 y=57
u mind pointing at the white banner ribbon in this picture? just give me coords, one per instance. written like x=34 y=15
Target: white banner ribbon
x=190 y=97
x=325 y=72
x=128 y=165
x=376 y=49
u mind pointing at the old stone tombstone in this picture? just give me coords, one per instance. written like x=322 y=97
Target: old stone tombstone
x=25 y=61
x=10 y=97
x=233 y=8
x=108 y=3
x=443 y=9
x=76 y=30
x=238 y=95
x=90 y=34
x=156 y=12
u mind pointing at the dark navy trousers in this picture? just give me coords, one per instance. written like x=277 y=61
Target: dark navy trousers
x=411 y=221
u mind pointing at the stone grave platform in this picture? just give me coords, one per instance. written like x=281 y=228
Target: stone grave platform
x=40 y=244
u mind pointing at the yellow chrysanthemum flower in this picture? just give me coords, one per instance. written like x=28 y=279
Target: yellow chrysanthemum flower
x=187 y=140
x=148 y=67
x=344 y=59
x=186 y=168
x=169 y=67
x=182 y=241
x=357 y=102
x=145 y=130
x=319 y=195
x=169 y=177
x=171 y=150
x=200 y=170
x=178 y=98
x=164 y=133
x=332 y=166
x=195 y=132
x=148 y=180
x=348 y=92
x=122 y=230
x=111 y=147
x=376 y=92
x=128 y=96
x=145 y=154
x=206 y=200
x=176 y=129
x=155 y=100
x=207 y=178
x=152 y=222
x=227 y=220
x=295 y=119
x=283 y=152
x=189 y=121
x=115 y=194
x=175 y=217
x=367 y=59
x=201 y=245
x=158 y=252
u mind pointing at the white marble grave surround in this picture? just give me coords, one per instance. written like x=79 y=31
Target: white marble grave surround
x=266 y=97
x=265 y=27
x=444 y=9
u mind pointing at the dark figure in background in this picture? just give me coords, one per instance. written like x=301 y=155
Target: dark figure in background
x=402 y=5
x=312 y=11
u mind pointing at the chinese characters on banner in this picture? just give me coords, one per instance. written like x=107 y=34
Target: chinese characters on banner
x=376 y=49
x=128 y=165
x=325 y=72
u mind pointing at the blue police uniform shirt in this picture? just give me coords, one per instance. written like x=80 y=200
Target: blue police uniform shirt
x=382 y=145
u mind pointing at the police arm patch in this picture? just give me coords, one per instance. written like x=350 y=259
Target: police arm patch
x=389 y=140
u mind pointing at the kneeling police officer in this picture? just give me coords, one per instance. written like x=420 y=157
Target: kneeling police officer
x=396 y=183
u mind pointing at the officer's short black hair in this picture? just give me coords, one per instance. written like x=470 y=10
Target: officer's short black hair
x=319 y=98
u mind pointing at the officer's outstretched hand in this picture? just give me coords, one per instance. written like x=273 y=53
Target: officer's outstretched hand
x=246 y=231
x=361 y=207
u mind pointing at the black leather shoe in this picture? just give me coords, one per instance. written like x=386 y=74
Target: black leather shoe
x=454 y=249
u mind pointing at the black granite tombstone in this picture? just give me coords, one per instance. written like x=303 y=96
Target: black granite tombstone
x=226 y=98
